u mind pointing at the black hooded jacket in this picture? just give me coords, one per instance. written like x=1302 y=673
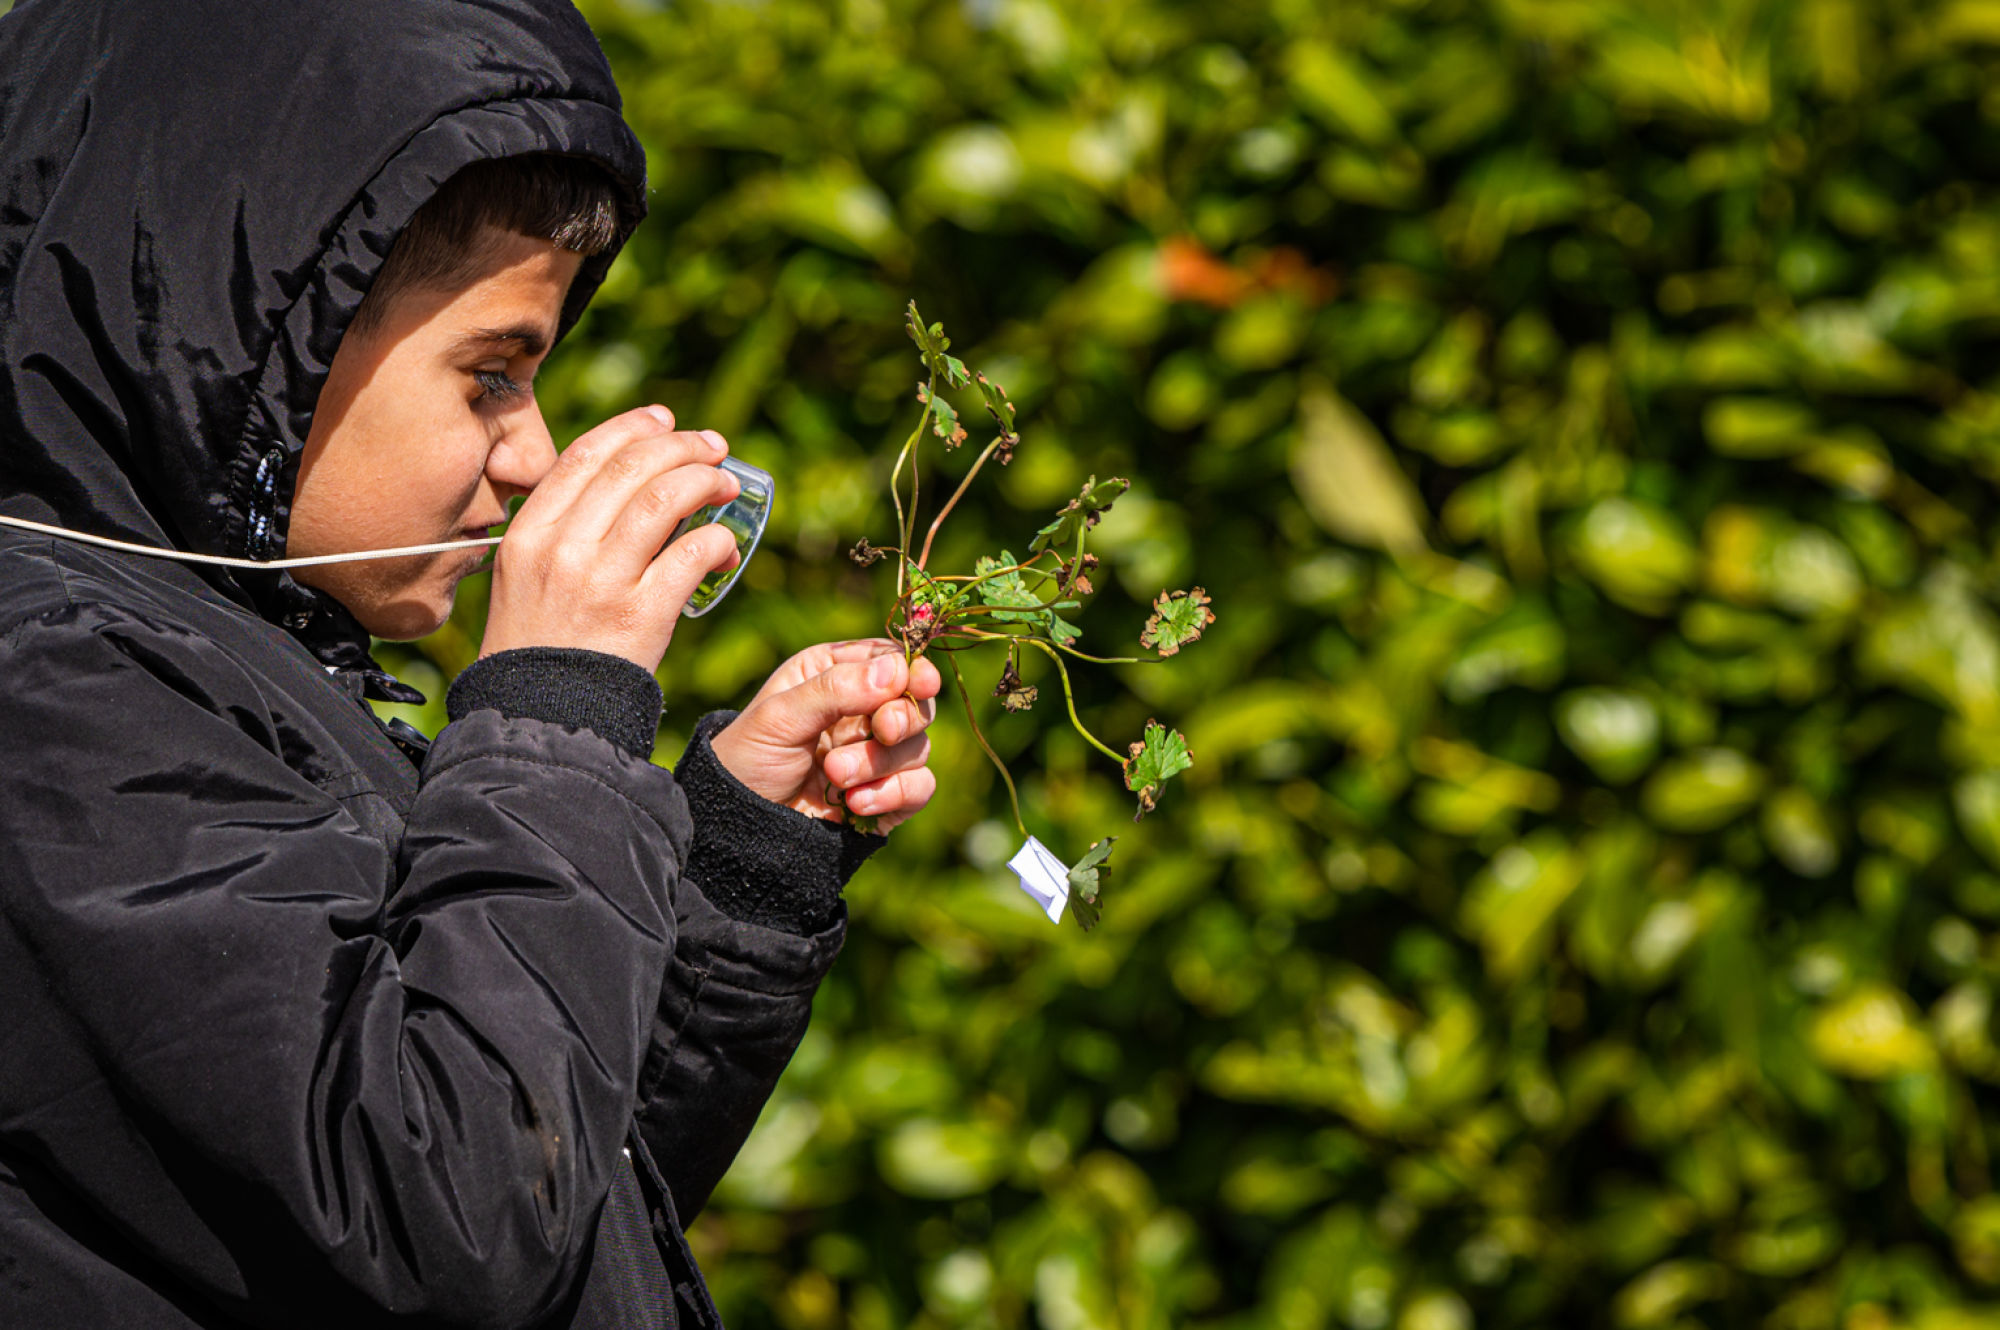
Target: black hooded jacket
x=301 y=1024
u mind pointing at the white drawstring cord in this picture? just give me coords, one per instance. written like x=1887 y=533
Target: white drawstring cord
x=223 y=561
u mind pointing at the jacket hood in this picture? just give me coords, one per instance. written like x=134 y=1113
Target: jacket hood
x=194 y=198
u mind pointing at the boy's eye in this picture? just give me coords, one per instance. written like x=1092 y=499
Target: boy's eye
x=498 y=386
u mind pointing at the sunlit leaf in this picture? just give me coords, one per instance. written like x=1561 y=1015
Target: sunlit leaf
x=1178 y=618
x=1348 y=480
x=1086 y=880
x=1079 y=515
x=1157 y=758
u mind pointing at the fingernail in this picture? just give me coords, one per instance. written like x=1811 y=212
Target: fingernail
x=661 y=414
x=715 y=440
x=883 y=672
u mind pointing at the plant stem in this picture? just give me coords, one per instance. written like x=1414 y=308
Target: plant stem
x=905 y=526
x=1070 y=698
x=1108 y=660
x=981 y=637
x=1013 y=795
x=952 y=503
x=963 y=611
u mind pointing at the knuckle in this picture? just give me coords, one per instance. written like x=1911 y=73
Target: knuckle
x=625 y=465
x=565 y=558
x=636 y=423
x=588 y=450
x=689 y=553
x=656 y=500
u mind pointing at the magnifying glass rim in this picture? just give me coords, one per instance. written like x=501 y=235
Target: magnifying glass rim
x=745 y=472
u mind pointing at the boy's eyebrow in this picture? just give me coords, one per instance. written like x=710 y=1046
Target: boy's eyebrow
x=533 y=339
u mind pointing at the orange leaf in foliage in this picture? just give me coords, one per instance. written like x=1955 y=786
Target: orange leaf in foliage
x=1190 y=272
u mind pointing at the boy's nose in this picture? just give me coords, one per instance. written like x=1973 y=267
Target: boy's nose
x=525 y=455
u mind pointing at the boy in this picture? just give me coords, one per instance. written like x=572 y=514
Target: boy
x=306 y=1024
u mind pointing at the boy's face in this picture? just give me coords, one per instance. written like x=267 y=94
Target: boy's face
x=427 y=426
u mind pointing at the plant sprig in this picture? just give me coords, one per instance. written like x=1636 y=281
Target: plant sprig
x=1016 y=604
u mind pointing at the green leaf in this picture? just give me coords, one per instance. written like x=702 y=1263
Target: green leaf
x=1002 y=412
x=932 y=345
x=1160 y=756
x=1016 y=602
x=1007 y=590
x=1085 y=877
x=927 y=590
x=1178 y=619
x=1349 y=481
x=1079 y=515
x=930 y=338
x=944 y=418
x=1637 y=553
x=1702 y=790
x=926 y=608
x=997 y=404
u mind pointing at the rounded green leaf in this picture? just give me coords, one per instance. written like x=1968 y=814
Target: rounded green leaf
x=1871 y=1034
x=1615 y=730
x=1702 y=790
x=941 y=1160
x=1757 y=426
x=1636 y=552
x=1799 y=833
x=1976 y=800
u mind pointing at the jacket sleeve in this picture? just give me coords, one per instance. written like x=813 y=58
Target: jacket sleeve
x=428 y=1097
x=759 y=921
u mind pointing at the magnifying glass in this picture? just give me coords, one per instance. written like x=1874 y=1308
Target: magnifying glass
x=745 y=516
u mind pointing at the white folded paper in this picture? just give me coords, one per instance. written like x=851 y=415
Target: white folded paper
x=1043 y=876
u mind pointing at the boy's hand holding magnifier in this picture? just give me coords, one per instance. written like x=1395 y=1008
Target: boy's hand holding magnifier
x=592 y=561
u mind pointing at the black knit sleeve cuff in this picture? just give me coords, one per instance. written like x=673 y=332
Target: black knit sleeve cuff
x=758 y=861
x=585 y=690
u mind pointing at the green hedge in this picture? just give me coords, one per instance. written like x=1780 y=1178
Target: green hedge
x=1583 y=415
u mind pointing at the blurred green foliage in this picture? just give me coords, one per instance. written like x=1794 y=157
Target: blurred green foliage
x=1586 y=416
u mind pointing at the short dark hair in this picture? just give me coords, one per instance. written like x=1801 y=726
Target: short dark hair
x=569 y=201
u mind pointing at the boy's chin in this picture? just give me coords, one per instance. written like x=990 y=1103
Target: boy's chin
x=405 y=620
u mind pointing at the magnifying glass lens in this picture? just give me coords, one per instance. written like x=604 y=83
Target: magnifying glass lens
x=745 y=517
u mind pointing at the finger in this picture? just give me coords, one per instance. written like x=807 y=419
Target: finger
x=857 y=764
x=856 y=688
x=587 y=453
x=631 y=471
x=804 y=664
x=898 y=720
x=678 y=569
x=860 y=648
x=848 y=730
x=658 y=506
x=925 y=681
x=919 y=702
x=915 y=710
x=895 y=798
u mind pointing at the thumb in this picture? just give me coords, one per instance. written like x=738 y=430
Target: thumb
x=799 y=715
